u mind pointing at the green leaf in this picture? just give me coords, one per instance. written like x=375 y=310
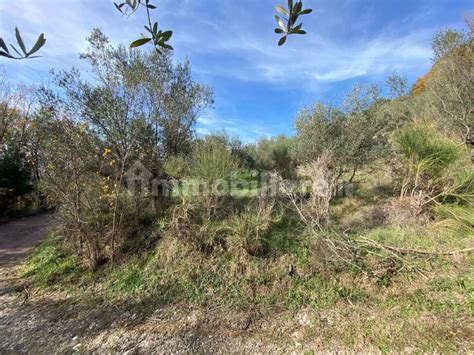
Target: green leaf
x=305 y=12
x=282 y=10
x=151 y=6
x=119 y=6
x=155 y=28
x=278 y=30
x=20 y=40
x=166 y=35
x=298 y=7
x=282 y=41
x=280 y=23
x=3 y=54
x=165 y=45
x=299 y=32
x=139 y=42
x=297 y=28
x=39 y=43
x=3 y=45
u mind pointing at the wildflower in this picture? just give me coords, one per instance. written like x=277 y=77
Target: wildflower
x=107 y=152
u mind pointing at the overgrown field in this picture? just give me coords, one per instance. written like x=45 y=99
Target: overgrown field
x=387 y=300
x=358 y=230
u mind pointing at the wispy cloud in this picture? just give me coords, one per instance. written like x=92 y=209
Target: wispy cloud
x=248 y=132
x=240 y=41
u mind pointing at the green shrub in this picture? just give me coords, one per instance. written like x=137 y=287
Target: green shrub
x=248 y=229
x=211 y=160
x=274 y=155
x=432 y=165
x=15 y=181
x=175 y=166
x=425 y=150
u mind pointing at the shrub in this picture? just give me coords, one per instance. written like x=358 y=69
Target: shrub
x=211 y=160
x=175 y=166
x=248 y=229
x=15 y=180
x=425 y=150
x=429 y=163
x=274 y=155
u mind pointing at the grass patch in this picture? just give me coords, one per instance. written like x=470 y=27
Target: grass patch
x=49 y=266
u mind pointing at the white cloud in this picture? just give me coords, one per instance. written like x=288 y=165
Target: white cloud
x=245 y=130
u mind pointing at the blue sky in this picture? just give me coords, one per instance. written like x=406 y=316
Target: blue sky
x=259 y=87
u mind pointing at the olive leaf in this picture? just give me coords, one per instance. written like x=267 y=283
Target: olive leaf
x=158 y=38
x=24 y=54
x=286 y=24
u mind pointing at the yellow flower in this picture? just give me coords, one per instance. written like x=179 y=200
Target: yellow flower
x=107 y=151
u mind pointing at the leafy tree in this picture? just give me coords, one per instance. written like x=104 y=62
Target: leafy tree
x=353 y=134
x=18 y=146
x=140 y=107
x=274 y=154
x=450 y=89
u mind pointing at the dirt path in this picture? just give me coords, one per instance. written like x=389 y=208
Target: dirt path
x=18 y=238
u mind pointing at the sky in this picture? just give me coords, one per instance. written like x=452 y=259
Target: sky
x=259 y=87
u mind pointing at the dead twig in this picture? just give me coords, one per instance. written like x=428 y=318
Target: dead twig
x=404 y=251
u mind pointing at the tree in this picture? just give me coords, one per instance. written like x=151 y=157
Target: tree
x=18 y=146
x=140 y=107
x=274 y=155
x=354 y=134
x=450 y=88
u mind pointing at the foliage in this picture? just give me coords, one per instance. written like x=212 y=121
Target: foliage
x=18 y=150
x=4 y=52
x=141 y=108
x=428 y=159
x=354 y=134
x=447 y=90
x=175 y=166
x=425 y=148
x=15 y=174
x=274 y=154
x=158 y=37
x=212 y=161
x=290 y=16
x=247 y=230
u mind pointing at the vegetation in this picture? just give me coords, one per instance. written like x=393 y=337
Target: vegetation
x=117 y=157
